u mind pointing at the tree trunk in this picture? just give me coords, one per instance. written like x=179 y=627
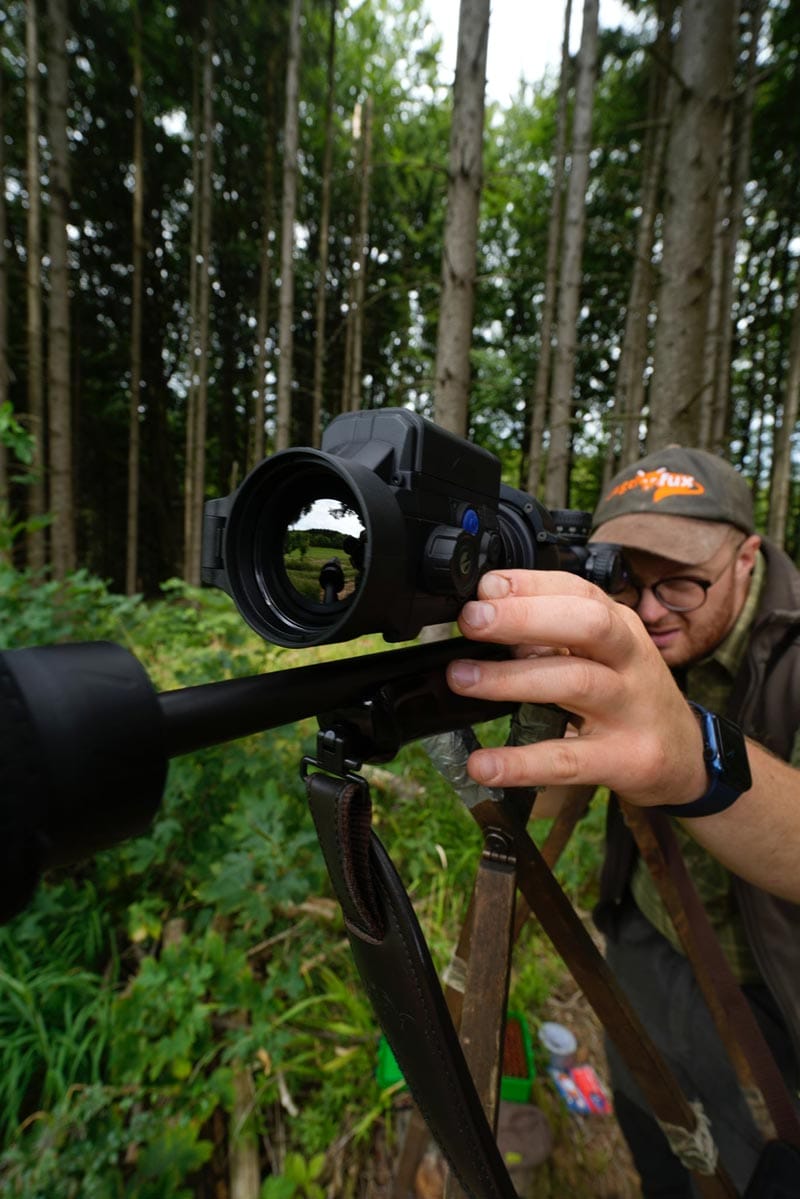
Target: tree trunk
x=459 y=256
x=720 y=411
x=630 y=382
x=265 y=278
x=541 y=385
x=716 y=317
x=4 y=374
x=324 y=238
x=63 y=553
x=557 y=480
x=283 y=420
x=704 y=67
x=782 y=439
x=193 y=318
x=356 y=314
x=36 y=554
x=198 y=456
x=132 y=547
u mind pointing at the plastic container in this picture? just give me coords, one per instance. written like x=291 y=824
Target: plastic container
x=559 y=1043
x=519 y=1069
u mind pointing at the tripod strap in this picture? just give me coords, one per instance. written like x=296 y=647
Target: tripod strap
x=738 y=1027
x=400 y=979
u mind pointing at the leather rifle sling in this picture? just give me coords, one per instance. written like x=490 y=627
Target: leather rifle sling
x=736 y=1023
x=394 y=962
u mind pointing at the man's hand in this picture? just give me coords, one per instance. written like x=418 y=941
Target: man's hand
x=636 y=734
x=573 y=646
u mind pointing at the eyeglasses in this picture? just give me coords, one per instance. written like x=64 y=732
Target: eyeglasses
x=683 y=593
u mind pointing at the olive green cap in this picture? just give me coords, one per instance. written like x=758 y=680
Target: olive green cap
x=677 y=503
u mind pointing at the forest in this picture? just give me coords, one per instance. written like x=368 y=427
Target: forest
x=222 y=225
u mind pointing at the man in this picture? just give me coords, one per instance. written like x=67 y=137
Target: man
x=711 y=613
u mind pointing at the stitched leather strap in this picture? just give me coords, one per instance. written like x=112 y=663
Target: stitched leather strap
x=398 y=974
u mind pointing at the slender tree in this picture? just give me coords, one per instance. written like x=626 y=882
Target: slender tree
x=359 y=266
x=200 y=366
x=37 y=500
x=720 y=390
x=541 y=385
x=264 y=282
x=324 y=235
x=4 y=372
x=556 y=484
x=132 y=542
x=283 y=420
x=630 y=382
x=63 y=552
x=785 y=428
x=704 y=68
x=459 y=253
x=193 y=323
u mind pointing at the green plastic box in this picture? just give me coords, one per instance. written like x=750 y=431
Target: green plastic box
x=514 y=1088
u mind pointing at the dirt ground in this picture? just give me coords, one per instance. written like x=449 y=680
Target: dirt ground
x=588 y=1158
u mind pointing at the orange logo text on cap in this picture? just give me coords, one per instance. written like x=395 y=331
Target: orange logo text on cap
x=661 y=482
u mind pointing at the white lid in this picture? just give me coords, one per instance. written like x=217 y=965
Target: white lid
x=556 y=1038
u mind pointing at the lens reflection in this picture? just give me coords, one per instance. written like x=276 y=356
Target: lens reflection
x=323 y=551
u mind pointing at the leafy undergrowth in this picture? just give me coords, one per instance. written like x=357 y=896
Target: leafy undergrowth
x=185 y=1006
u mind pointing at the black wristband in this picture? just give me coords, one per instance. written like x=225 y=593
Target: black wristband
x=725 y=753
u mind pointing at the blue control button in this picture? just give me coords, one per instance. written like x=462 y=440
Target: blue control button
x=470 y=521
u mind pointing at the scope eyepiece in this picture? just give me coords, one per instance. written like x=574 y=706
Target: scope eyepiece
x=298 y=544
x=387 y=528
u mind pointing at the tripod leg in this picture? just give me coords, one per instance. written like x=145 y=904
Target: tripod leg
x=417 y=1137
x=591 y=971
x=757 y=1071
x=488 y=971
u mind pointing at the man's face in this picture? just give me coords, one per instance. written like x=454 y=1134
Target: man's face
x=686 y=637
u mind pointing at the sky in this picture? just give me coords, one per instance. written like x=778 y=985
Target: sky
x=524 y=38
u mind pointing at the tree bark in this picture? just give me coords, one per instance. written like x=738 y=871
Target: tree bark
x=62 y=548
x=557 y=479
x=704 y=66
x=196 y=448
x=356 y=314
x=4 y=373
x=193 y=318
x=630 y=382
x=264 y=284
x=459 y=256
x=36 y=553
x=324 y=238
x=132 y=543
x=541 y=385
x=283 y=420
x=784 y=427
x=720 y=410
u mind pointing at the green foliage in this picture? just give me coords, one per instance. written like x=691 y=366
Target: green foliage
x=34 y=611
x=138 y=992
x=299 y=1179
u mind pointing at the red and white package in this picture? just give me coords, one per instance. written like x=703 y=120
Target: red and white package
x=591 y=1089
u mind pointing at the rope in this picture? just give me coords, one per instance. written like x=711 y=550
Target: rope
x=455 y=974
x=695 y=1147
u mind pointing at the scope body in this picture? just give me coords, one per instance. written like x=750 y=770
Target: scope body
x=387 y=528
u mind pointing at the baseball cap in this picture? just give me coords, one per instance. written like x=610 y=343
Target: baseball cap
x=678 y=503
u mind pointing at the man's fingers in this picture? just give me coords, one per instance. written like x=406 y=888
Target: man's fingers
x=546 y=764
x=591 y=627
x=576 y=684
x=498 y=584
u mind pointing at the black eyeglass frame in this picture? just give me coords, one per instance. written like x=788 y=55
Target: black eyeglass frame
x=704 y=584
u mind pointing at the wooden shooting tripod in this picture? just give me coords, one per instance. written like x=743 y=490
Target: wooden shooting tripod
x=459 y=1108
